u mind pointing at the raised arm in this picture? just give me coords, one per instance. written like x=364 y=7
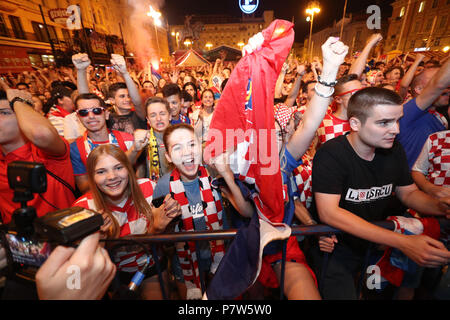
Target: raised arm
x=439 y=82
x=81 y=62
x=334 y=53
x=36 y=128
x=120 y=66
x=409 y=76
x=296 y=87
x=280 y=81
x=358 y=66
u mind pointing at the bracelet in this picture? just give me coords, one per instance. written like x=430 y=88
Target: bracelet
x=15 y=99
x=327 y=84
x=322 y=94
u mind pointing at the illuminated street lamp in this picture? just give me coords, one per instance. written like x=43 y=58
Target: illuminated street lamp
x=313 y=8
x=155 y=15
x=187 y=43
x=208 y=46
x=176 y=35
x=241 y=44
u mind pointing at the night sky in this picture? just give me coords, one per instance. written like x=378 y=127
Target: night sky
x=331 y=10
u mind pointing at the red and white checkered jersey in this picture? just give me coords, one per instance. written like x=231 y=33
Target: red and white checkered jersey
x=434 y=160
x=130 y=222
x=331 y=127
x=303 y=179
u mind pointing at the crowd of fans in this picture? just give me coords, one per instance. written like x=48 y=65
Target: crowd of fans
x=362 y=138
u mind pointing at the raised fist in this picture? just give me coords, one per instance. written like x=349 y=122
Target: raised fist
x=81 y=61
x=119 y=63
x=334 y=52
x=141 y=138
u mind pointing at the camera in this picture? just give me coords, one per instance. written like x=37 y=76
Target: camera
x=29 y=240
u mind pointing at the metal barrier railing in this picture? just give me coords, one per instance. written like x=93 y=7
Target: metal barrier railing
x=314 y=230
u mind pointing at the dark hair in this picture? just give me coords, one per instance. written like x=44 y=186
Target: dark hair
x=193 y=86
x=223 y=84
x=114 y=87
x=402 y=73
x=379 y=63
x=306 y=84
x=148 y=81
x=361 y=103
x=156 y=99
x=343 y=80
x=60 y=91
x=23 y=84
x=206 y=90
x=171 y=89
x=186 y=96
x=171 y=129
x=89 y=96
x=3 y=95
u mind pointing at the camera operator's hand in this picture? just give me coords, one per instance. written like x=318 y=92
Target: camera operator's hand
x=13 y=93
x=96 y=272
x=3 y=261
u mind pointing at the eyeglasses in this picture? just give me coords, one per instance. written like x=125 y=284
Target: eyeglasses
x=85 y=112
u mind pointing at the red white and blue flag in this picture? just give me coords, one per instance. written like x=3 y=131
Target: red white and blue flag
x=246 y=109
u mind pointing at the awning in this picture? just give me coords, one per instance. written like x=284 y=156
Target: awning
x=14 y=60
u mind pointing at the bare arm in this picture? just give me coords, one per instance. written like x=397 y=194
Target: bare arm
x=422 y=249
x=358 y=66
x=437 y=84
x=296 y=87
x=35 y=127
x=81 y=62
x=119 y=64
x=334 y=53
x=413 y=198
x=409 y=75
x=280 y=81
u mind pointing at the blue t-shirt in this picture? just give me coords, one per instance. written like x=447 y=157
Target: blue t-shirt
x=187 y=121
x=415 y=127
x=287 y=166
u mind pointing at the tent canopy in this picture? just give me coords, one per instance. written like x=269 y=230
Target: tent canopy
x=191 y=59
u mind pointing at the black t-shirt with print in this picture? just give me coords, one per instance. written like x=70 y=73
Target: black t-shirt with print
x=366 y=187
x=127 y=123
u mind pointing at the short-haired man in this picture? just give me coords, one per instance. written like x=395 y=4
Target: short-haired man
x=25 y=135
x=63 y=106
x=172 y=93
x=123 y=95
x=355 y=176
x=158 y=117
x=93 y=115
x=430 y=91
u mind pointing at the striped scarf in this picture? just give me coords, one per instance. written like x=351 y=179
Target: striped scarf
x=86 y=145
x=153 y=157
x=212 y=210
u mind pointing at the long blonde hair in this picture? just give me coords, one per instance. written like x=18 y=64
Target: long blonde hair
x=100 y=201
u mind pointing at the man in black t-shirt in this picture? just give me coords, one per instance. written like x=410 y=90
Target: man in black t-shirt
x=354 y=178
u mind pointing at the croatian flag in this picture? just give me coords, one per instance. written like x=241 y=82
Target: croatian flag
x=246 y=110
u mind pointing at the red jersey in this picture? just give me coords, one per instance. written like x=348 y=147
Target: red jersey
x=57 y=194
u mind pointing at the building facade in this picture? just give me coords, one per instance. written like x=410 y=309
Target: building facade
x=37 y=30
x=203 y=33
x=418 y=25
x=354 y=34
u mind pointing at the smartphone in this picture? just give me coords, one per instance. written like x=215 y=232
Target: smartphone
x=158 y=202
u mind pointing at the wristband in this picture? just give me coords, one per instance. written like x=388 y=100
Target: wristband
x=322 y=94
x=328 y=84
x=15 y=99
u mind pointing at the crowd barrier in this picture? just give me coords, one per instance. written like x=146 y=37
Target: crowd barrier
x=314 y=230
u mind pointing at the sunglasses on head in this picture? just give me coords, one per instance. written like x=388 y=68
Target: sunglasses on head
x=85 y=112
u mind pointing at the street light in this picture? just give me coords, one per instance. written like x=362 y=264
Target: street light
x=208 y=46
x=176 y=35
x=313 y=8
x=156 y=15
x=241 y=44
